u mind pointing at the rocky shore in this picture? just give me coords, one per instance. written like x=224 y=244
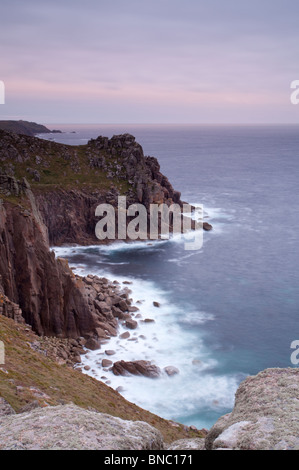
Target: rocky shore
x=54 y=203
x=48 y=196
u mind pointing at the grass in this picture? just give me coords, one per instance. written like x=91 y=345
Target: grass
x=65 y=166
x=29 y=376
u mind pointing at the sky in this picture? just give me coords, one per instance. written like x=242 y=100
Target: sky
x=158 y=61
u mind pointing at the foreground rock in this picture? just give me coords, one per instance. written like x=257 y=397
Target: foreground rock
x=265 y=416
x=145 y=368
x=188 y=444
x=72 y=428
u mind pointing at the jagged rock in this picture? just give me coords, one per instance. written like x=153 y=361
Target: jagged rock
x=265 y=416
x=145 y=368
x=123 y=306
x=69 y=427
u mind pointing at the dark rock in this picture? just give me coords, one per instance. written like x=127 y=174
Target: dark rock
x=125 y=335
x=93 y=344
x=106 y=363
x=131 y=324
x=110 y=352
x=145 y=368
x=206 y=226
x=123 y=306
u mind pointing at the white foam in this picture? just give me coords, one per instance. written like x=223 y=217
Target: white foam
x=197 y=318
x=168 y=341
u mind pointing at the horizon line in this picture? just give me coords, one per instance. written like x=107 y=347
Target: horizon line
x=171 y=123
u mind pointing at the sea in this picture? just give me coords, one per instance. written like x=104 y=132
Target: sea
x=227 y=310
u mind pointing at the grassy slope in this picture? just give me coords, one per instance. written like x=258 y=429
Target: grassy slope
x=28 y=376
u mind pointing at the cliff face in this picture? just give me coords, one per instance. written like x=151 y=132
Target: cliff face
x=69 y=182
x=44 y=288
x=57 y=206
x=24 y=127
x=69 y=214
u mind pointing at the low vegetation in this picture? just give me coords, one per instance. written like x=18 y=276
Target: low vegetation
x=29 y=378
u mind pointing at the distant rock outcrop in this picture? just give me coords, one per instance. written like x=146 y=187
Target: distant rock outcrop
x=25 y=128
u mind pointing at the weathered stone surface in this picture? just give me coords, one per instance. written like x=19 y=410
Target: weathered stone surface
x=145 y=368
x=5 y=408
x=72 y=428
x=187 y=444
x=265 y=416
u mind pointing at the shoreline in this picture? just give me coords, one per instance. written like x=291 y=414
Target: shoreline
x=150 y=342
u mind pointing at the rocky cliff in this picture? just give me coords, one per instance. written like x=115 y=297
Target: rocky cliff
x=69 y=182
x=25 y=127
x=49 y=193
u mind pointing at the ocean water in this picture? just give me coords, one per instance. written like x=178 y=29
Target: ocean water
x=229 y=309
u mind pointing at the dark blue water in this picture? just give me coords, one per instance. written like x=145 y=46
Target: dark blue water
x=239 y=295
